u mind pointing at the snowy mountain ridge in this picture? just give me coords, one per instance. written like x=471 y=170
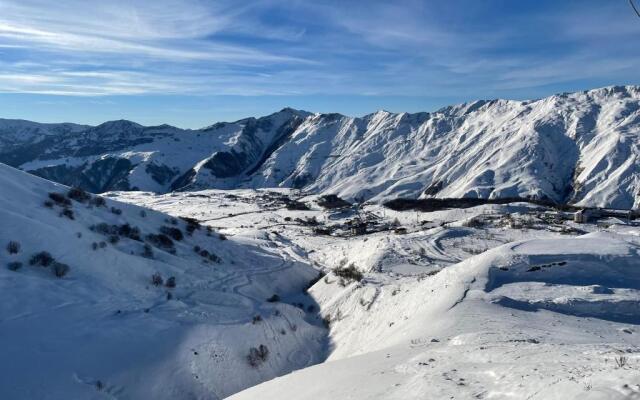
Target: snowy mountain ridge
x=570 y=148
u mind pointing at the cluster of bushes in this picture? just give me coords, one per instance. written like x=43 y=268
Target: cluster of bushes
x=13 y=248
x=96 y=245
x=124 y=230
x=172 y=232
x=76 y=194
x=61 y=201
x=79 y=195
x=42 y=259
x=161 y=241
x=257 y=355
x=349 y=274
x=207 y=254
x=192 y=225
x=156 y=280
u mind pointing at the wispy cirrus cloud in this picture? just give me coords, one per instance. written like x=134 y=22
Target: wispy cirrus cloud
x=272 y=47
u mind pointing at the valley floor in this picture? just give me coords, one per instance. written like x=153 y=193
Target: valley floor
x=497 y=301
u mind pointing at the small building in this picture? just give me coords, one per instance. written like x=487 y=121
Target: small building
x=586 y=215
x=331 y=201
x=359 y=228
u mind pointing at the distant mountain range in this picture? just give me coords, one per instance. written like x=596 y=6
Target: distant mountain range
x=578 y=148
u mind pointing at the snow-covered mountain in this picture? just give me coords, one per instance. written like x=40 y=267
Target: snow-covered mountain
x=580 y=148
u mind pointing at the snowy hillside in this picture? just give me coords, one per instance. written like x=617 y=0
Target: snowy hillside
x=490 y=327
x=491 y=302
x=579 y=148
x=101 y=299
x=275 y=294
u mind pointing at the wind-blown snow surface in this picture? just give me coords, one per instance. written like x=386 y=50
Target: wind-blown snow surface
x=492 y=302
x=580 y=147
x=104 y=331
x=490 y=327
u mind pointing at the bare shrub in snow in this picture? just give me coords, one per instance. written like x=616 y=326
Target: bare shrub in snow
x=98 y=201
x=257 y=355
x=350 y=273
x=116 y=211
x=156 y=279
x=147 y=251
x=256 y=319
x=13 y=247
x=48 y=203
x=174 y=233
x=59 y=199
x=14 y=266
x=43 y=259
x=78 y=194
x=171 y=282
x=59 y=269
x=132 y=232
x=160 y=240
x=222 y=236
x=621 y=361
x=67 y=212
x=192 y=224
x=209 y=255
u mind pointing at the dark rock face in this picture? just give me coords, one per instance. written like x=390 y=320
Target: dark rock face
x=100 y=176
x=161 y=173
x=226 y=164
x=183 y=180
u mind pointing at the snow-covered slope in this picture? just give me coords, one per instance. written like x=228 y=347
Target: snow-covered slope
x=492 y=302
x=579 y=148
x=87 y=319
x=535 y=319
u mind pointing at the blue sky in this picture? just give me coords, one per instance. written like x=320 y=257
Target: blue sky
x=193 y=62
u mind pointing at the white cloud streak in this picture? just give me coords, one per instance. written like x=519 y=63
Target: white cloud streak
x=415 y=48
